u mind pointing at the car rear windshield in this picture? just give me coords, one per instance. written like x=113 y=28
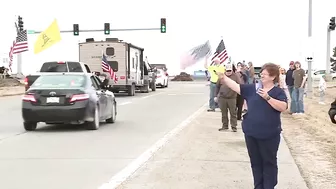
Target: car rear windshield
x=59 y=81
x=61 y=67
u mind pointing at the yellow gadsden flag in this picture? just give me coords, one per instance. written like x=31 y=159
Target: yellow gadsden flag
x=47 y=38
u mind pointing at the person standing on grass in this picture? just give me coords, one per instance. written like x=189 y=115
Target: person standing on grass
x=322 y=88
x=332 y=112
x=290 y=86
x=262 y=124
x=299 y=76
x=282 y=82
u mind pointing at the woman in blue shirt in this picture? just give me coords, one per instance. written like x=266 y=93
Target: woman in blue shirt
x=262 y=124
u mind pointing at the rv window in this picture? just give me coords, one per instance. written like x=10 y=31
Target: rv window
x=136 y=61
x=110 y=51
x=114 y=65
x=133 y=66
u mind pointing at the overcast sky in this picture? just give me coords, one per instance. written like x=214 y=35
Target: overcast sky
x=259 y=31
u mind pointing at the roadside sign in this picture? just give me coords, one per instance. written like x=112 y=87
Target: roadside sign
x=309 y=59
x=30 y=31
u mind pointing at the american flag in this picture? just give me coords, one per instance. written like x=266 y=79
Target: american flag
x=220 y=52
x=195 y=54
x=107 y=68
x=19 y=45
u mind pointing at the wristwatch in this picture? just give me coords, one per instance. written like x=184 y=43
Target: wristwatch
x=268 y=98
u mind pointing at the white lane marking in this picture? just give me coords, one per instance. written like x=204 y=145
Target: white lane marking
x=124 y=103
x=173 y=94
x=144 y=97
x=193 y=93
x=129 y=170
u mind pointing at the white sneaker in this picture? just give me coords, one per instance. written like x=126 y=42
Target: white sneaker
x=301 y=114
x=322 y=103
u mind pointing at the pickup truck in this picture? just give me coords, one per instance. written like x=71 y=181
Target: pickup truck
x=60 y=66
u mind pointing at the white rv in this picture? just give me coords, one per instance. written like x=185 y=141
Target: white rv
x=126 y=60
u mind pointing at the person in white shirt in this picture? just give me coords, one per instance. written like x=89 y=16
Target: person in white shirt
x=322 y=88
x=282 y=82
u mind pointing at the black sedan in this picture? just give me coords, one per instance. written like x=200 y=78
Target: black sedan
x=69 y=98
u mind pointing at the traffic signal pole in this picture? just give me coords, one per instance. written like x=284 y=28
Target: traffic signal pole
x=328 y=54
x=100 y=30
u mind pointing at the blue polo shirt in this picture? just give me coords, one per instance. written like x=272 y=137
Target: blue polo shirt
x=261 y=120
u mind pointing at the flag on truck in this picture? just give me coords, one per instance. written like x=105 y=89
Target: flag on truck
x=107 y=68
x=220 y=53
x=48 y=38
x=195 y=54
x=20 y=45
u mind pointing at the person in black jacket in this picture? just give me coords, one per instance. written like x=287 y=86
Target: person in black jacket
x=290 y=85
x=332 y=112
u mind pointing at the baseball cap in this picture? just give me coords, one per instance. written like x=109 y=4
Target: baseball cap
x=291 y=63
x=228 y=67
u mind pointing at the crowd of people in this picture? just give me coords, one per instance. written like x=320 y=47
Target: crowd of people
x=242 y=95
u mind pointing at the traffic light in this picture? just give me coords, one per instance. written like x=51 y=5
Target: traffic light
x=76 y=29
x=20 y=23
x=332 y=24
x=107 y=28
x=163 y=25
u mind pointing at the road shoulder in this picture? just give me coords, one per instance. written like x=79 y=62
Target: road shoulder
x=11 y=91
x=201 y=157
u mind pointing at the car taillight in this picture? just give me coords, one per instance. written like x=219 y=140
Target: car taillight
x=26 y=81
x=79 y=97
x=60 y=62
x=28 y=98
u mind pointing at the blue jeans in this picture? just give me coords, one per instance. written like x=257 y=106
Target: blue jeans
x=212 y=104
x=298 y=99
x=292 y=103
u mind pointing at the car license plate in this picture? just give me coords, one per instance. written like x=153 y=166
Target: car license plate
x=53 y=100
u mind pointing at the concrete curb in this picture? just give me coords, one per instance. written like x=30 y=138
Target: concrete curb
x=13 y=94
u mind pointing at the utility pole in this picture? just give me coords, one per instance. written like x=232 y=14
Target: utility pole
x=309 y=61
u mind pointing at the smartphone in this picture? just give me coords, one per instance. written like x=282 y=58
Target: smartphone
x=258 y=85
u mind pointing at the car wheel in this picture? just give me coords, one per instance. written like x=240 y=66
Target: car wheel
x=30 y=126
x=167 y=83
x=94 y=125
x=113 y=117
x=334 y=78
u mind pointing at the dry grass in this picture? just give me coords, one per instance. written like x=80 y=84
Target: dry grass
x=312 y=141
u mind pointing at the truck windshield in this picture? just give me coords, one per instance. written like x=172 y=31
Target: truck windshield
x=59 y=81
x=61 y=67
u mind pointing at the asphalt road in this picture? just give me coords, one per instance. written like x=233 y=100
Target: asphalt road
x=70 y=157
